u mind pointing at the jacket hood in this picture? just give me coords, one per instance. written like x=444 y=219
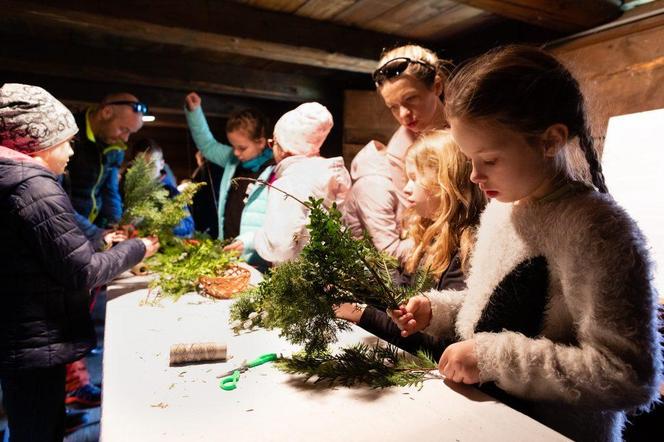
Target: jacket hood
x=16 y=168
x=371 y=160
x=327 y=177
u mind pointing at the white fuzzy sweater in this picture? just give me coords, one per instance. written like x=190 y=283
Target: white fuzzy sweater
x=596 y=353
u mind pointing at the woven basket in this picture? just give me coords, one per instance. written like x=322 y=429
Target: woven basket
x=234 y=279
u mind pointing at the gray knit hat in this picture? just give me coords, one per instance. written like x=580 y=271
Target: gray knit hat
x=32 y=120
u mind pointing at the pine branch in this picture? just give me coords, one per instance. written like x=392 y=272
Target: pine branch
x=377 y=367
x=180 y=263
x=299 y=296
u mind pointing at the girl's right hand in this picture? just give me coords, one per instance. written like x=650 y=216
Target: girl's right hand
x=412 y=317
x=151 y=246
x=192 y=101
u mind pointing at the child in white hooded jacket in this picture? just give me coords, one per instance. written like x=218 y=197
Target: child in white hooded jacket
x=302 y=173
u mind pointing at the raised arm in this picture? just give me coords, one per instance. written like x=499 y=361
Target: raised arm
x=213 y=150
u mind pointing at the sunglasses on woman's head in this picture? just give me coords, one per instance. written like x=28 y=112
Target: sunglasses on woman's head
x=136 y=106
x=396 y=67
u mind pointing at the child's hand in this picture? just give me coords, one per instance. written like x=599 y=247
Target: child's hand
x=412 y=317
x=459 y=363
x=151 y=246
x=235 y=245
x=349 y=311
x=114 y=236
x=192 y=101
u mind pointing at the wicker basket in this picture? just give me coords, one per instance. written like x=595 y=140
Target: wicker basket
x=234 y=279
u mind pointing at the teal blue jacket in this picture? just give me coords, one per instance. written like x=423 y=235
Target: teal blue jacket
x=255 y=207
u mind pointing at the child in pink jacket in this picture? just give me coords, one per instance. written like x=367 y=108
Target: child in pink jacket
x=303 y=173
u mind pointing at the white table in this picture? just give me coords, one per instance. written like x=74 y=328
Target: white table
x=146 y=400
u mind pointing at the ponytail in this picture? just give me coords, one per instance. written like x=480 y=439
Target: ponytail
x=595 y=167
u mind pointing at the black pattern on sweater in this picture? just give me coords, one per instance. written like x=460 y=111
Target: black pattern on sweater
x=518 y=303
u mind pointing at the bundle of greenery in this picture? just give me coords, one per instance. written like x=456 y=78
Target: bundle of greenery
x=147 y=204
x=376 y=366
x=298 y=297
x=180 y=262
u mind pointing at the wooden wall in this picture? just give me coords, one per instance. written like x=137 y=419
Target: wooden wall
x=365 y=118
x=621 y=70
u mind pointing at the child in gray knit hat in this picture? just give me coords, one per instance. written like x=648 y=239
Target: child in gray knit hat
x=48 y=265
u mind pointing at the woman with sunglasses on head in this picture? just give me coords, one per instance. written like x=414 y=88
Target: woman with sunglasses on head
x=242 y=206
x=410 y=80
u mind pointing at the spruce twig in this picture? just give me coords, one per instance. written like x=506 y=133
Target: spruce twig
x=299 y=296
x=376 y=366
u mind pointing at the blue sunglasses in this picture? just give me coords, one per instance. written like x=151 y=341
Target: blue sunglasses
x=136 y=106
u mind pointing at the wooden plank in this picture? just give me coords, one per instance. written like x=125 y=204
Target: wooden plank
x=198 y=40
x=364 y=11
x=275 y=5
x=166 y=101
x=408 y=15
x=324 y=9
x=161 y=71
x=327 y=46
x=610 y=34
x=620 y=72
x=562 y=15
x=366 y=118
x=455 y=19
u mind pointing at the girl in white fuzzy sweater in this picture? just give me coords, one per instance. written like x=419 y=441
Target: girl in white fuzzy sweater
x=559 y=309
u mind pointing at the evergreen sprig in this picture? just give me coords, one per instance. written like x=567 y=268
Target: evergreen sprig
x=180 y=263
x=333 y=268
x=147 y=203
x=376 y=366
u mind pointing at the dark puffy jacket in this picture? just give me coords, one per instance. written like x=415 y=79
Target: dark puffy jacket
x=47 y=268
x=93 y=177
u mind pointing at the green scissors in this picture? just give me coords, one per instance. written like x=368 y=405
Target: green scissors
x=230 y=378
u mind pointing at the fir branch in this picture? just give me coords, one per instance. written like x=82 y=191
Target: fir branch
x=334 y=267
x=376 y=366
x=147 y=203
x=181 y=262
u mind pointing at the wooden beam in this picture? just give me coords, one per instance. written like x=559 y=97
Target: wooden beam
x=181 y=23
x=165 y=69
x=160 y=100
x=560 y=15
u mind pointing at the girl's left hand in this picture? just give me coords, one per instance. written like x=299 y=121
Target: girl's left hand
x=459 y=363
x=235 y=245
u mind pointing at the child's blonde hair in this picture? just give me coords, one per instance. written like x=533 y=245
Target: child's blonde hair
x=446 y=175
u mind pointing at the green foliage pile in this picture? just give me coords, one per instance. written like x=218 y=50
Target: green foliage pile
x=181 y=261
x=298 y=297
x=147 y=204
x=376 y=366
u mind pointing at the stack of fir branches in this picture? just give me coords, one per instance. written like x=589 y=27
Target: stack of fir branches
x=298 y=297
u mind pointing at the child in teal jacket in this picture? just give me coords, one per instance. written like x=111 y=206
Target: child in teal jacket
x=242 y=206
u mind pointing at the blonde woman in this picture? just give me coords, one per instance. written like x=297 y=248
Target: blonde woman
x=410 y=81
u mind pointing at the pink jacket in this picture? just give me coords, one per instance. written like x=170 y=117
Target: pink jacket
x=284 y=233
x=376 y=202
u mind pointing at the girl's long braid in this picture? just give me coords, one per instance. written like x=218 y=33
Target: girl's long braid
x=588 y=147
